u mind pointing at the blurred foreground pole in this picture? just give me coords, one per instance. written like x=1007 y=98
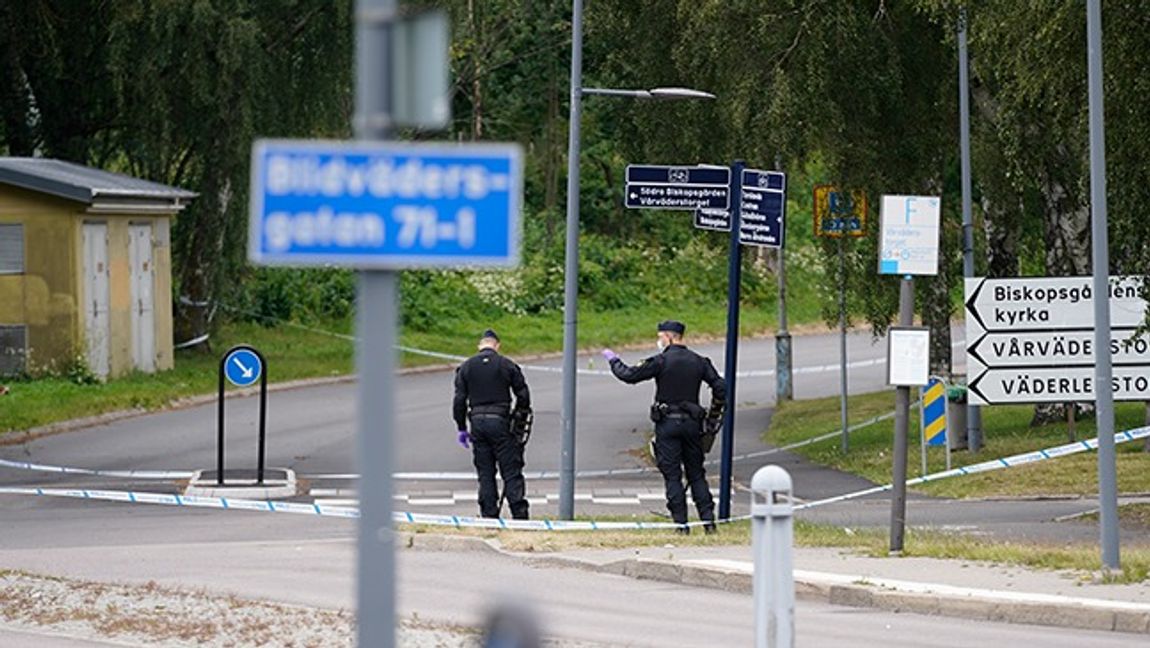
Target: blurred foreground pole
x=772 y=521
x=973 y=412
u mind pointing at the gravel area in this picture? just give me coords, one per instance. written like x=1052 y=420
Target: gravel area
x=151 y=615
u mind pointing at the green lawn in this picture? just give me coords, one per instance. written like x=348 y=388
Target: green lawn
x=294 y=352
x=1006 y=430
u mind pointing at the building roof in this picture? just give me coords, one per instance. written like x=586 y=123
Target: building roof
x=100 y=189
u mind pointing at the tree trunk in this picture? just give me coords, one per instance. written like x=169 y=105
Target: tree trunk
x=1066 y=233
x=1001 y=239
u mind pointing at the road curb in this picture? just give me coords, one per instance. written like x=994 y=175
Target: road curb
x=1097 y=615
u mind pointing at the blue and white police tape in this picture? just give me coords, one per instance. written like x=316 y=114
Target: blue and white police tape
x=322 y=510
x=431 y=476
x=121 y=474
x=994 y=464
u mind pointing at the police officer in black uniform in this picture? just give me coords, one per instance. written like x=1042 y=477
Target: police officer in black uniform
x=483 y=387
x=684 y=430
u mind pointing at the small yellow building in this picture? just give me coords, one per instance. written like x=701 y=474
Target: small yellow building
x=85 y=269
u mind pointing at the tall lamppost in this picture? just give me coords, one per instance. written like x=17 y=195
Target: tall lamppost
x=571 y=264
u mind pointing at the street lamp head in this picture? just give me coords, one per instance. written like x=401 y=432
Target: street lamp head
x=662 y=94
x=679 y=93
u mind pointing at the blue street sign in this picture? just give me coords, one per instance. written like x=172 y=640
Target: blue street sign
x=385 y=205
x=764 y=206
x=243 y=367
x=678 y=187
x=761 y=221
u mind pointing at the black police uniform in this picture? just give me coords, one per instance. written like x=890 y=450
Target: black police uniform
x=678 y=374
x=485 y=382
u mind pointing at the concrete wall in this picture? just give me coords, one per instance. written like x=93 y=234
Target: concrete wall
x=44 y=298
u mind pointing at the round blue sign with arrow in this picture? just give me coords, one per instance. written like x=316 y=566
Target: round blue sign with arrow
x=243 y=367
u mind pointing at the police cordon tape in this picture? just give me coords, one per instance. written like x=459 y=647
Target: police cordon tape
x=428 y=476
x=994 y=464
x=757 y=373
x=456 y=521
x=322 y=510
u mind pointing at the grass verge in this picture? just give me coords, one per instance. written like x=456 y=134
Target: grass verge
x=296 y=352
x=1082 y=559
x=1007 y=432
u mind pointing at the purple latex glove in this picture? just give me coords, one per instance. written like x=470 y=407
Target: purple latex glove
x=610 y=355
x=464 y=439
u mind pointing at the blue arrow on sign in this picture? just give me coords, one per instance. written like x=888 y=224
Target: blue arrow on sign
x=243 y=367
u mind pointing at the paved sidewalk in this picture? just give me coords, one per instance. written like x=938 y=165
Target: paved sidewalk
x=955 y=588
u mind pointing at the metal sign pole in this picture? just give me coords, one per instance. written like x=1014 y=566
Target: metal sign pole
x=1103 y=369
x=571 y=273
x=784 y=382
x=901 y=429
x=734 y=278
x=375 y=355
x=973 y=412
x=220 y=426
x=843 y=342
x=263 y=417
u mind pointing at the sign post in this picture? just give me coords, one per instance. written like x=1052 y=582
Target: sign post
x=380 y=207
x=908 y=246
x=749 y=204
x=242 y=366
x=840 y=215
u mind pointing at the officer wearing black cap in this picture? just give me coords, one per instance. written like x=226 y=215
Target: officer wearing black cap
x=684 y=430
x=484 y=384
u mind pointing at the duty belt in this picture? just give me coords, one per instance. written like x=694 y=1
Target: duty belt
x=491 y=411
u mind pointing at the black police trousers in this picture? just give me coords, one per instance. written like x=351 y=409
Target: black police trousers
x=679 y=449
x=493 y=445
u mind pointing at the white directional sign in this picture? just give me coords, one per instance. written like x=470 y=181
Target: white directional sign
x=908 y=238
x=1051 y=303
x=1054 y=385
x=1031 y=340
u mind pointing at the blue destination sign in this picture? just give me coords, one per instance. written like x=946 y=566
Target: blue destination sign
x=764 y=205
x=678 y=187
x=763 y=210
x=385 y=205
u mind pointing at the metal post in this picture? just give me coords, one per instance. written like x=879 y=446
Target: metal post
x=772 y=520
x=973 y=412
x=376 y=323
x=571 y=272
x=1103 y=371
x=734 y=278
x=220 y=427
x=784 y=381
x=263 y=416
x=843 y=344
x=901 y=429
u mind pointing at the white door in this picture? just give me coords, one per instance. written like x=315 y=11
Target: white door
x=96 y=325
x=143 y=298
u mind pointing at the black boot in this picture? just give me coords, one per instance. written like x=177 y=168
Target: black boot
x=683 y=530
x=710 y=529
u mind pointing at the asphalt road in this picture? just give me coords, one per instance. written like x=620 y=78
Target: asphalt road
x=461 y=587
x=312 y=431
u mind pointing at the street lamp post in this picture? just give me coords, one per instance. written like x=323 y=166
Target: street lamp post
x=571 y=262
